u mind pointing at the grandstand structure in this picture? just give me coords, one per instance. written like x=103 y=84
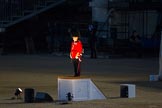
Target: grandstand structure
x=25 y=25
x=14 y=11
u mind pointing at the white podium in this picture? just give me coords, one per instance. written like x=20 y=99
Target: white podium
x=127 y=90
x=81 y=88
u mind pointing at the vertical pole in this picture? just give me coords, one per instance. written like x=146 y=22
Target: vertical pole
x=160 y=58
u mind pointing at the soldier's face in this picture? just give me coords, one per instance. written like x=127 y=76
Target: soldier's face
x=75 y=39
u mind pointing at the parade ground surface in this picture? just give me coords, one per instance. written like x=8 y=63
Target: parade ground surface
x=40 y=72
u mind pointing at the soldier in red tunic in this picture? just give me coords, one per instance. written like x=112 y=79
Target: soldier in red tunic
x=76 y=53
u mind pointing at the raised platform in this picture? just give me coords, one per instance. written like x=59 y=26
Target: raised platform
x=72 y=77
x=81 y=88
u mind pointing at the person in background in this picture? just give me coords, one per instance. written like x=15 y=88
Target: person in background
x=135 y=42
x=50 y=38
x=76 y=53
x=92 y=29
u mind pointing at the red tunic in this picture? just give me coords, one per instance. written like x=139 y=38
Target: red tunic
x=76 y=50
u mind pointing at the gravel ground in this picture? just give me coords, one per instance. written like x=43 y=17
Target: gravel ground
x=41 y=72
